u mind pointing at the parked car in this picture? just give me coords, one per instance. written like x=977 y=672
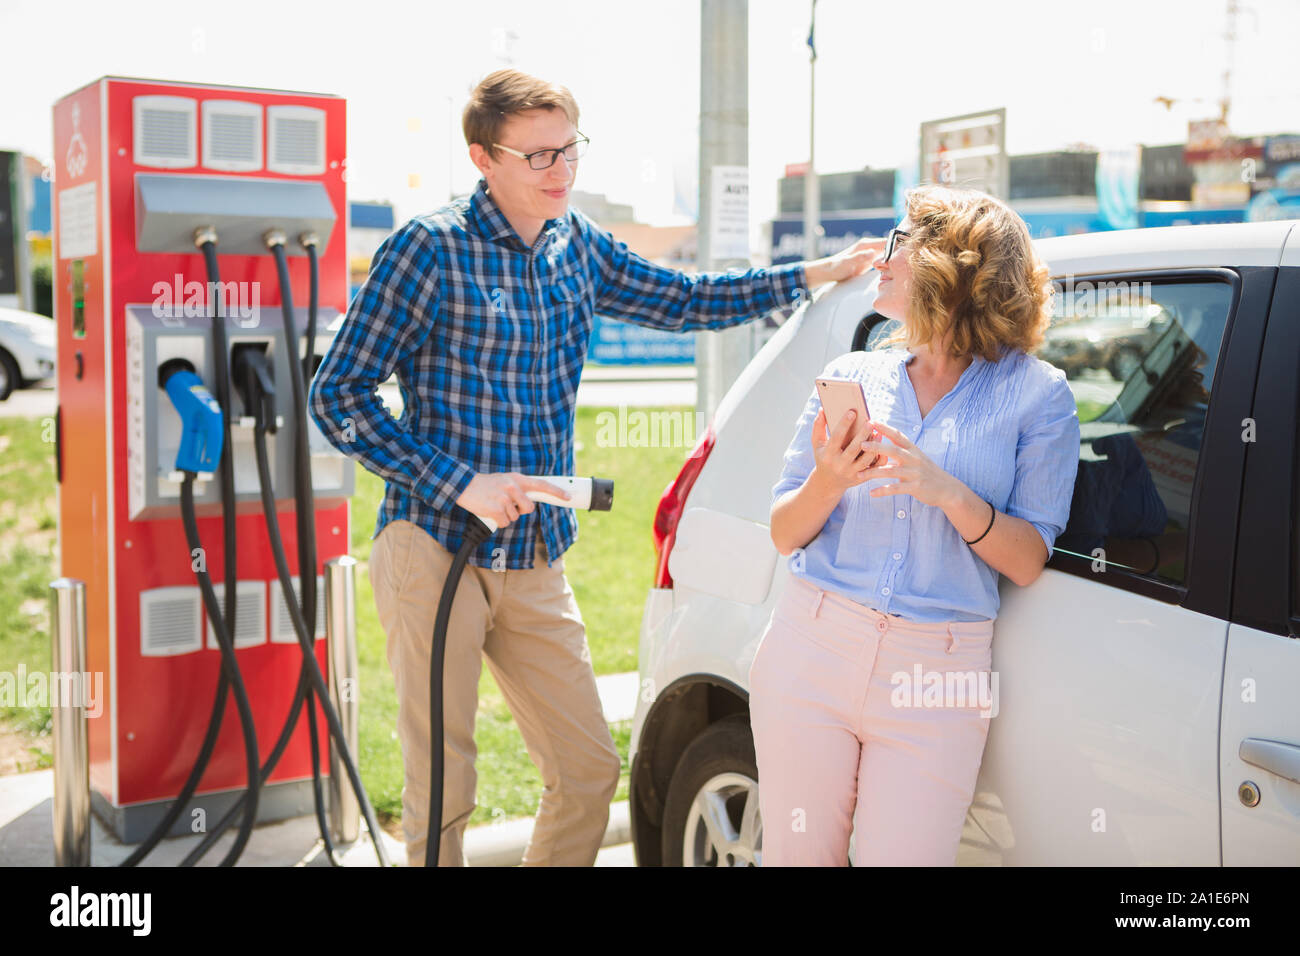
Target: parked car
x=1148 y=708
x=26 y=349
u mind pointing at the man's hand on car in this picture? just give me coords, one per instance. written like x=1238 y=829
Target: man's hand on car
x=845 y=264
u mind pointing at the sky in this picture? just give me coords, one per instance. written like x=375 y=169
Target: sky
x=1066 y=72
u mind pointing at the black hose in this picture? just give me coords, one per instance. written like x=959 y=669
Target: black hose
x=302 y=694
x=227 y=468
x=312 y=307
x=306 y=559
x=307 y=526
x=305 y=639
x=309 y=677
x=230 y=667
x=304 y=495
x=221 y=372
x=476 y=532
x=317 y=793
x=291 y=722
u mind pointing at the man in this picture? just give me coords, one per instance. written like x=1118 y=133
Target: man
x=484 y=309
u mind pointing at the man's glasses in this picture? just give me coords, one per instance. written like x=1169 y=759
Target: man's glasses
x=893 y=237
x=545 y=158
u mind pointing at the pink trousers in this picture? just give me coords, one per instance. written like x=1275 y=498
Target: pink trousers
x=866 y=724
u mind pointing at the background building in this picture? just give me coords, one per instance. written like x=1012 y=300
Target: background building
x=1213 y=178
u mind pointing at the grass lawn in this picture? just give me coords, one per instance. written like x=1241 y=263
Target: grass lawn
x=27 y=542
x=610 y=568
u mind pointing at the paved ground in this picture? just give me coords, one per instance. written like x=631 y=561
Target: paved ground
x=26 y=828
x=29 y=403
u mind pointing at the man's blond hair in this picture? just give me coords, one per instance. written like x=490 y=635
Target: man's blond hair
x=504 y=92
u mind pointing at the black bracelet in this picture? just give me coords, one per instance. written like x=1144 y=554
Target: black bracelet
x=989 y=528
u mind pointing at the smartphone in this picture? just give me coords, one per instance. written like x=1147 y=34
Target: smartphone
x=838 y=395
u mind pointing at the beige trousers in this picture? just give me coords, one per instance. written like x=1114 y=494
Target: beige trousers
x=527 y=623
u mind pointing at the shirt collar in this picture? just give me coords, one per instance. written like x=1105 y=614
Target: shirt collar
x=969 y=372
x=978 y=359
x=491 y=222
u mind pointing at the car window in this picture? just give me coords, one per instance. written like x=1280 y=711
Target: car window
x=1139 y=357
x=873 y=330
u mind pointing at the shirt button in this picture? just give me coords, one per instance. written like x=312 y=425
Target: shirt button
x=902 y=513
x=884 y=590
x=898 y=556
x=916 y=428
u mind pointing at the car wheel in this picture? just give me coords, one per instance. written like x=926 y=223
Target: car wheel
x=9 y=377
x=711 y=815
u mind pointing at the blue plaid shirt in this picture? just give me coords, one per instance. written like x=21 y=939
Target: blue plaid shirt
x=488 y=339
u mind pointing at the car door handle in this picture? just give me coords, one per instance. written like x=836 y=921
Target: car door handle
x=1272 y=755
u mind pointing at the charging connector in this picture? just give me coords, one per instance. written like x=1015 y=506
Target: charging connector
x=251 y=370
x=201 y=421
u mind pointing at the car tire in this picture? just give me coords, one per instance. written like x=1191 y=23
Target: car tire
x=9 y=375
x=717 y=775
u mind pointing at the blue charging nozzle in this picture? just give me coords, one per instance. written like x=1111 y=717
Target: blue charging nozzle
x=201 y=423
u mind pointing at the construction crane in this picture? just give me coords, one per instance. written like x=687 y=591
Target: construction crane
x=1234 y=8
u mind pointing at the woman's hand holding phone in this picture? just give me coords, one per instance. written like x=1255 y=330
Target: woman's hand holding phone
x=842 y=462
x=841 y=459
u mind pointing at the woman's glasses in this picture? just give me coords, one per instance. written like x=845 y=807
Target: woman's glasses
x=893 y=238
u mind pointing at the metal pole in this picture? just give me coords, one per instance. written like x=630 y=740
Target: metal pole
x=721 y=356
x=71 y=742
x=812 y=214
x=341 y=644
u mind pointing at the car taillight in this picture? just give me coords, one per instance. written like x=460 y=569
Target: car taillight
x=673 y=503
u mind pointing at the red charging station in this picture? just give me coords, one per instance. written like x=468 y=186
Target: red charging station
x=136 y=164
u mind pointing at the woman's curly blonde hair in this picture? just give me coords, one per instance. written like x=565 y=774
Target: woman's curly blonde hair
x=974 y=270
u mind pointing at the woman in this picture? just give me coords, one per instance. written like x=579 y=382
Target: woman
x=894 y=580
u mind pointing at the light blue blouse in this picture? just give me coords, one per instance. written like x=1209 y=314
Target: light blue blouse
x=1009 y=430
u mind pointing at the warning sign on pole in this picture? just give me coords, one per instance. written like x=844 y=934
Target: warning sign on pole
x=729 y=213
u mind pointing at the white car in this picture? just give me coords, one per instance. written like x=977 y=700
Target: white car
x=1148 y=680
x=27 y=349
